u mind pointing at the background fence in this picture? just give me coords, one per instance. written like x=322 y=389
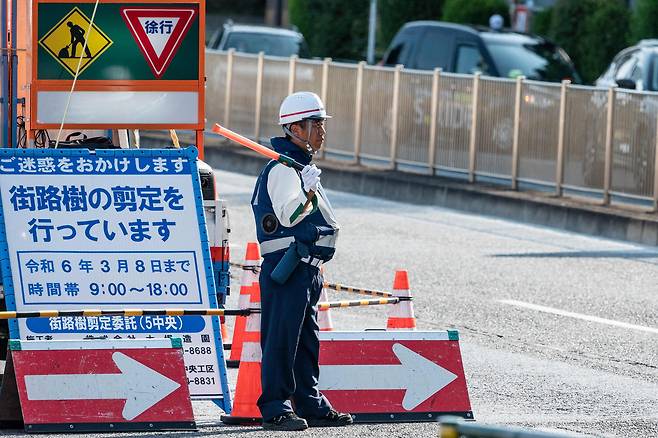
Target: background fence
x=554 y=137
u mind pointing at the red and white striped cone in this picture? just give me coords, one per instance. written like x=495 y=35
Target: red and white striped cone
x=401 y=315
x=248 y=387
x=247 y=282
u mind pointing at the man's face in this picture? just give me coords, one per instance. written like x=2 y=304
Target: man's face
x=317 y=130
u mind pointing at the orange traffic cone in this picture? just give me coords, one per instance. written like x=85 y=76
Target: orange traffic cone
x=249 y=278
x=401 y=315
x=248 y=387
x=325 y=322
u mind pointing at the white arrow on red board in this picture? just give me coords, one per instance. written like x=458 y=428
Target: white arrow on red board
x=420 y=377
x=141 y=386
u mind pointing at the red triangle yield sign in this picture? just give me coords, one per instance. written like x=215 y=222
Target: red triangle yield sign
x=158 y=32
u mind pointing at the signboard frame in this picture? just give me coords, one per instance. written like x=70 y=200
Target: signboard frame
x=223 y=400
x=154 y=85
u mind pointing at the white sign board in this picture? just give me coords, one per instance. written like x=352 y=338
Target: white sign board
x=111 y=230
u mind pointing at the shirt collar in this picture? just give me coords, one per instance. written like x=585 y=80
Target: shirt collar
x=284 y=146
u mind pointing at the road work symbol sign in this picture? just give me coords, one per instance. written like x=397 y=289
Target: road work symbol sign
x=158 y=32
x=66 y=41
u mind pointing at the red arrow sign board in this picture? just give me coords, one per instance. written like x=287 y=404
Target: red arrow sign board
x=158 y=32
x=394 y=376
x=105 y=386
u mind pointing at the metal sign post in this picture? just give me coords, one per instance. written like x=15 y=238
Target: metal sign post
x=4 y=76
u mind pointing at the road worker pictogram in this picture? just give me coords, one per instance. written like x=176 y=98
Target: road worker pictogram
x=66 y=41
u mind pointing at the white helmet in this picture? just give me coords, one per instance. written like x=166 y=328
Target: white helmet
x=301 y=105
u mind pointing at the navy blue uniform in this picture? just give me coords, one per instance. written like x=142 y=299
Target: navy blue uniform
x=289 y=329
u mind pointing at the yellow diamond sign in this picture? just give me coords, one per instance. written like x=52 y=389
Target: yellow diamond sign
x=65 y=42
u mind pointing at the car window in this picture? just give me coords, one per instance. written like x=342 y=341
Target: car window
x=625 y=68
x=653 y=85
x=275 y=45
x=401 y=46
x=538 y=60
x=469 y=59
x=434 y=50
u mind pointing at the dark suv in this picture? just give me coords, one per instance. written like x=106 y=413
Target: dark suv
x=457 y=48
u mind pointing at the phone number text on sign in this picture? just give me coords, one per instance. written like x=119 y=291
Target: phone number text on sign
x=109 y=277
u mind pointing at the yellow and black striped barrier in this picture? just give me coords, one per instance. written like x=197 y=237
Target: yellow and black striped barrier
x=333 y=286
x=128 y=312
x=356 y=290
x=182 y=312
x=359 y=303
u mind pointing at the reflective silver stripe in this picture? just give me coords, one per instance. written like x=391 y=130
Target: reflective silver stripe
x=311 y=261
x=270 y=246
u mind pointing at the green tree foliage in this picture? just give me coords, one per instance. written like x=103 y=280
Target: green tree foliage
x=542 y=22
x=474 y=11
x=591 y=31
x=394 y=13
x=336 y=28
x=645 y=20
x=225 y=7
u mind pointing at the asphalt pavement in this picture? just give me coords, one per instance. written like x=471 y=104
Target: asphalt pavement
x=558 y=331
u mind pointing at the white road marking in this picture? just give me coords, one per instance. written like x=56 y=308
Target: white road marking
x=579 y=316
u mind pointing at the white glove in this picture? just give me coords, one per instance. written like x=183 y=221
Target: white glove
x=311 y=177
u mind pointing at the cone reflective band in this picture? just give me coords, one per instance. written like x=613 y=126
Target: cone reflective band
x=244 y=141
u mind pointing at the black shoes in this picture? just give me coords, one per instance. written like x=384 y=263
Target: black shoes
x=332 y=419
x=287 y=421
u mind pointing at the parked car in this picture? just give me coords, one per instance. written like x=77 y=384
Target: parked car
x=254 y=39
x=634 y=68
x=458 y=48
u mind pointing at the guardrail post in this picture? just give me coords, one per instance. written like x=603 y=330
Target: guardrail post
x=655 y=173
x=607 y=175
x=515 y=140
x=434 y=109
x=559 y=160
x=357 y=111
x=292 y=73
x=227 y=94
x=323 y=93
x=259 y=94
x=395 y=111
x=474 y=125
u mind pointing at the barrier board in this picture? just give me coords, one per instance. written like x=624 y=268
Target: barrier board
x=111 y=229
x=394 y=376
x=76 y=386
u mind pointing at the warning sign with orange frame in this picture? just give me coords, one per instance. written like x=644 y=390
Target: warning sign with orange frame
x=137 y=64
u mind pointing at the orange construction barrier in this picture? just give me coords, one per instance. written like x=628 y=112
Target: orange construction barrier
x=248 y=387
x=401 y=315
x=249 y=279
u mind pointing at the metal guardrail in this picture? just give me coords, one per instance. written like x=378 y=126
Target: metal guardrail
x=555 y=137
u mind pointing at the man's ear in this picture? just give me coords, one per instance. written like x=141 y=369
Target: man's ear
x=296 y=129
